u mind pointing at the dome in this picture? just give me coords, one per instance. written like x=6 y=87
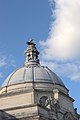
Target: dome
x=32 y=72
x=36 y=74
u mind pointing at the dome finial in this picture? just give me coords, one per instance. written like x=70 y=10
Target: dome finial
x=31 y=53
x=31 y=42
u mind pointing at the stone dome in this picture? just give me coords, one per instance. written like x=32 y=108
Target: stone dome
x=36 y=74
x=33 y=72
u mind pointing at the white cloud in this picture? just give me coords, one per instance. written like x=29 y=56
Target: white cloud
x=11 y=61
x=6 y=62
x=1 y=75
x=63 y=42
x=2 y=61
x=2 y=64
x=67 y=69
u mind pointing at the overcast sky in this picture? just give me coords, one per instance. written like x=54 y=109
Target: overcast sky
x=55 y=28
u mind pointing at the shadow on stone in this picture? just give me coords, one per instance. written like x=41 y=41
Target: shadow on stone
x=6 y=116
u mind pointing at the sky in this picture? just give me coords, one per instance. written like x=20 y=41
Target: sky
x=55 y=28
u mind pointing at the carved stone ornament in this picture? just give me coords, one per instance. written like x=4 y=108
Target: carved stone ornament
x=68 y=116
x=47 y=102
x=43 y=100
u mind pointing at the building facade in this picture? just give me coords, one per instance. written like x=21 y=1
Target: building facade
x=34 y=92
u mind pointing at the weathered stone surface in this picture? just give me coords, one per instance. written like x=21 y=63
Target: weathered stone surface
x=6 y=116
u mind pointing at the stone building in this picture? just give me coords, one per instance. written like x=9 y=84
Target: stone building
x=34 y=92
